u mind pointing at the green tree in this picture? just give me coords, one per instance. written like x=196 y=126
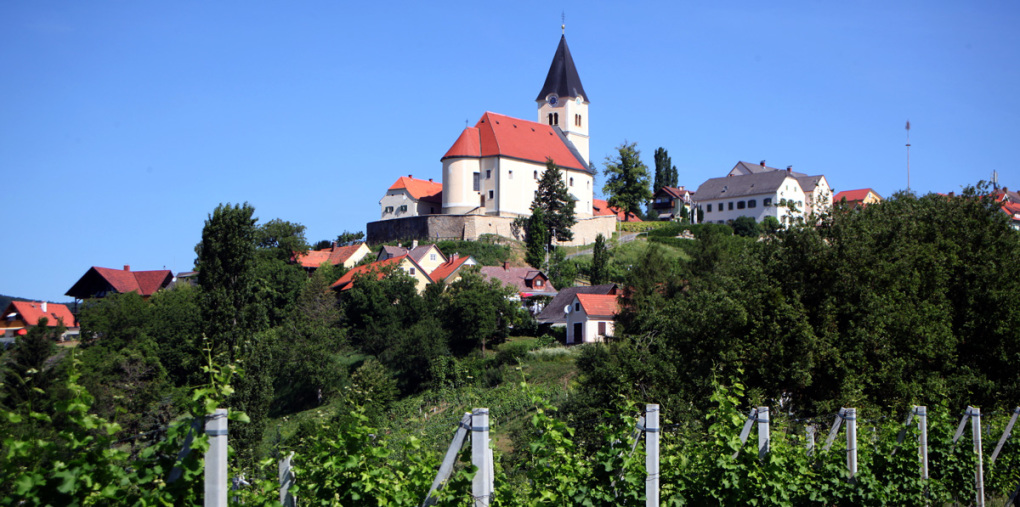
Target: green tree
x=227 y=274
x=665 y=171
x=535 y=239
x=26 y=377
x=747 y=227
x=557 y=204
x=771 y=225
x=479 y=313
x=280 y=239
x=562 y=271
x=627 y=179
x=349 y=238
x=599 y=262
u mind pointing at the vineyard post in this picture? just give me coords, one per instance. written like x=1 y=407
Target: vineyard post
x=851 y=442
x=835 y=429
x=1005 y=435
x=811 y=438
x=482 y=483
x=286 y=481
x=446 y=468
x=763 y=432
x=652 y=431
x=979 y=473
x=922 y=447
x=216 y=478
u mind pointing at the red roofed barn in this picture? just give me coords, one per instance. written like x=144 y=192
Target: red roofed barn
x=99 y=282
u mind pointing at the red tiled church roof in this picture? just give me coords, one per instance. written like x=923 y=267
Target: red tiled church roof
x=31 y=311
x=504 y=136
x=599 y=305
x=421 y=190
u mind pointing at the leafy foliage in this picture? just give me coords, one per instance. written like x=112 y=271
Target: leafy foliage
x=627 y=179
x=557 y=204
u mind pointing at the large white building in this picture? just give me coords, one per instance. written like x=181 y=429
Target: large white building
x=758 y=191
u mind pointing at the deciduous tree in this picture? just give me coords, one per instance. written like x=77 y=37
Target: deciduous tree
x=627 y=179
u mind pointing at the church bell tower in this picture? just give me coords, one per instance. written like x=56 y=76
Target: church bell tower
x=563 y=102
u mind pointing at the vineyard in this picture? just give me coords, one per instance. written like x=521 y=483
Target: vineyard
x=349 y=462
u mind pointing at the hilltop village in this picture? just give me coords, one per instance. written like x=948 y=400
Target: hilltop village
x=571 y=323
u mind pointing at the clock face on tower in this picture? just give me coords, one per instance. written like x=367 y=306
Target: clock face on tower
x=553 y=100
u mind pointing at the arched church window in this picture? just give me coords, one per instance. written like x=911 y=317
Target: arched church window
x=556 y=118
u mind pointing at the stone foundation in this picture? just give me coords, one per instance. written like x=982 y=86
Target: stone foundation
x=470 y=227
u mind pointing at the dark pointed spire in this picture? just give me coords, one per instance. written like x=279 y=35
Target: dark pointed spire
x=562 y=79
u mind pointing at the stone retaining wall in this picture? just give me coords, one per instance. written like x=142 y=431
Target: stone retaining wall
x=470 y=227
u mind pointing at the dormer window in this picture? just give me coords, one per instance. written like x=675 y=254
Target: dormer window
x=536 y=175
x=538 y=282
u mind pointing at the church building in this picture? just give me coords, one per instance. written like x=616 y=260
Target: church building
x=494 y=167
x=492 y=171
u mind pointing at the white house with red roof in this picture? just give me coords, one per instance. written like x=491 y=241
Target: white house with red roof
x=412 y=197
x=20 y=316
x=379 y=269
x=591 y=317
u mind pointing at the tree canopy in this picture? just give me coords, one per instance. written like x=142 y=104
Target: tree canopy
x=557 y=204
x=627 y=179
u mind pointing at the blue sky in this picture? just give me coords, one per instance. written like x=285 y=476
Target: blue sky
x=124 y=124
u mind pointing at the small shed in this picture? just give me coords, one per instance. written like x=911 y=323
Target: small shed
x=592 y=317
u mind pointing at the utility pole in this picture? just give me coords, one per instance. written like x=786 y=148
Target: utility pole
x=908 y=155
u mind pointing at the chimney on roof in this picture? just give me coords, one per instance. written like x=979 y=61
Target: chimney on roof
x=454 y=256
x=789 y=168
x=333 y=248
x=127 y=267
x=506 y=265
x=414 y=244
x=430 y=180
x=44 y=306
x=762 y=163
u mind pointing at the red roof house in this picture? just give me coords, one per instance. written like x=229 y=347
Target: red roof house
x=449 y=271
x=857 y=198
x=379 y=270
x=591 y=317
x=410 y=197
x=601 y=207
x=348 y=256
x=99 y=282
x=20 y=316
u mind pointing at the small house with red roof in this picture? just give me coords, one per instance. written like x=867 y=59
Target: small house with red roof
x=100 y=282
x=857 y=198
x=412 y=197
x=591 y=317
x=379 y=269
x=20 y=316
x=450 y=271
x=531 y=285
x=347 y=256
x=602 y=208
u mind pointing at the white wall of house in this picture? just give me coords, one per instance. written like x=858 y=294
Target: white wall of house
x=399 y=204
x=726 y=209
x=589 y=326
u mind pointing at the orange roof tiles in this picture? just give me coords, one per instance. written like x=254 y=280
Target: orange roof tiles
x=335 y=255
x=419 y=189
x=448 y=268
x=601 y=207
x=121 y=280
x=31 y=311
x=378 y=267
x=852 y=195
x=599 y=305
x=505 y=136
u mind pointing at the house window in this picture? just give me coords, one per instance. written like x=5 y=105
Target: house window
x=432 y=257
x=752 y=203
x=708 y=208
x=577 y=307
x=488 y=173
x=411 y=271
x=538 y=283
x=490 y=194
x=403 y=207
x=477 y=184
x=766 y=201
x=536 y=175
x=571 y=181
x=731 y=205
x=389 y=209
x=511 y=175
x=740 y=204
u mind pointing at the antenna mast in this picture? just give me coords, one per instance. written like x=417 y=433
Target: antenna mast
x=908 y=155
